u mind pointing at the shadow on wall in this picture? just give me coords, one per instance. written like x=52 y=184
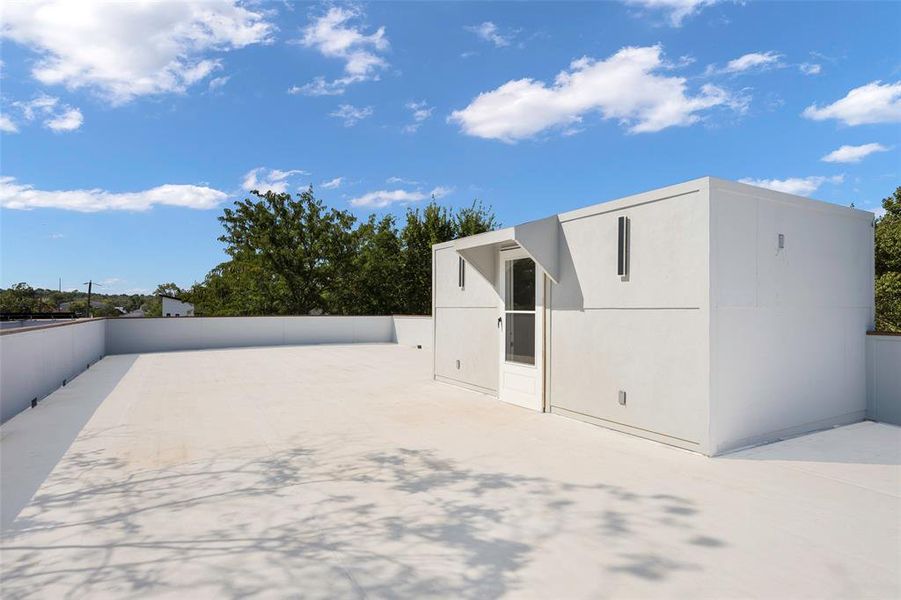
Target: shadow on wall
x=32 y=447
x=567 y=295
x=404 y=523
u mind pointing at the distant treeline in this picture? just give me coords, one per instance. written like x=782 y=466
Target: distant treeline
x=22 y=298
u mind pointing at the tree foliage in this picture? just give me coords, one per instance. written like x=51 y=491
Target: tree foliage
x=291 y=255
x=888 y=265
x=18 y=298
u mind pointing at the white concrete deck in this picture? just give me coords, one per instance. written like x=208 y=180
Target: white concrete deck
x=344 y=471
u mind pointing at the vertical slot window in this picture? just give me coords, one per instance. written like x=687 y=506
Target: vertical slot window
x=622 y=254
x=461 y=273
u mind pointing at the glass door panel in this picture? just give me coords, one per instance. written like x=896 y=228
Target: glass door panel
x=519 y=305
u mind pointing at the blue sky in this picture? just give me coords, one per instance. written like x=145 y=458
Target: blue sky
x=124 y=129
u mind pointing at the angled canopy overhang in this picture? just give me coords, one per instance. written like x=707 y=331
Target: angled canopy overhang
x=540 y=239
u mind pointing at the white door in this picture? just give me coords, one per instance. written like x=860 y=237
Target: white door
x=520 y=325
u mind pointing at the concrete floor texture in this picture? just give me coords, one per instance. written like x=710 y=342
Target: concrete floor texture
x=345 y=472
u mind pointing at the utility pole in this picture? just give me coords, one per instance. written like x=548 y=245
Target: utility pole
x=90 y=283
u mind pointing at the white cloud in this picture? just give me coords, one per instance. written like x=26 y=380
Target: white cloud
x=401 y=180
x=7 y=125
x=129 y=49
x=676 y=10
x=489 y=32
x=810 y=68
x=441 y=191
x=42 y=104
x=853 y=154
x=217 y=83
x=15 y=195
x=624 y=87
x=874 y=102
x=754 y=60
x=320 y=87
x=70 y=120
x=421 y=112
x=382 y=198
x=801 y=186
x=333 y=36
x=53 y=114
x=332 y=184
x=273 y=180
x=351 y=114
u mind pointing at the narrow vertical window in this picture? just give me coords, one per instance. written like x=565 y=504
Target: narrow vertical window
x=622 y=255
x=461 y=272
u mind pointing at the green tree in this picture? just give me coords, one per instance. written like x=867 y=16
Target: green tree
x=888 y=264
x=241 y=286
x=310 y=248
x=433 y=226
x=18 y=298
x=292 y=255
x=376 y=287
x=474 y=219
x=422 y=229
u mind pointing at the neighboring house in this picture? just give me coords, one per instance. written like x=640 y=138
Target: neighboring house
x=709 y=315
x=175 y=307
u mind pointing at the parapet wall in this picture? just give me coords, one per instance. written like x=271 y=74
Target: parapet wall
x=133 y=336
x=36 y=361
x=884 y=377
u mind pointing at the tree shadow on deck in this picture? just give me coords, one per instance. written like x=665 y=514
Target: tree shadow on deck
x=324 y=522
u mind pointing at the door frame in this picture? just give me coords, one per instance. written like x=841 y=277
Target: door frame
x=519 y=371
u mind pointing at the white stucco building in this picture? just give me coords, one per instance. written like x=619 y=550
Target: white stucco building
x=176 y=307
x=709 y=315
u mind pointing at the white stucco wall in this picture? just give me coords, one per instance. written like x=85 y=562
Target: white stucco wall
x=647 y=335
x=128 y=336
x=465 y=323
x=787 y=326
x=413 y=330
x=34 y=362
x=884 y=378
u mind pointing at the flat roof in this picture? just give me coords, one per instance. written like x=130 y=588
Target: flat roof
x=665 y=193
x=335 y=471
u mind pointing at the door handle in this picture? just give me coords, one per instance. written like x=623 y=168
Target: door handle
x=500 y=322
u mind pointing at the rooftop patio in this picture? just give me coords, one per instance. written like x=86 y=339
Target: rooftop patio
x=345 y=471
